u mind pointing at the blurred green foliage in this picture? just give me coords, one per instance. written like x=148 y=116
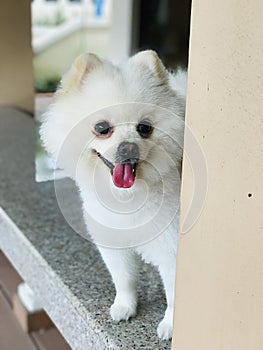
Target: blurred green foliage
x=49 y=85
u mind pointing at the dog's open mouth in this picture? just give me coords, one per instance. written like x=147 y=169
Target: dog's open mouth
x=123 y=173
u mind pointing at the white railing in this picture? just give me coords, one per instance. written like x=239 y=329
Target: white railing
x=53 y=21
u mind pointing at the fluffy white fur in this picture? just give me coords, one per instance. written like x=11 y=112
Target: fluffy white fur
x=91 y=85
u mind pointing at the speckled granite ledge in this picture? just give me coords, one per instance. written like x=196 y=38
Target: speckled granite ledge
x=63 y=269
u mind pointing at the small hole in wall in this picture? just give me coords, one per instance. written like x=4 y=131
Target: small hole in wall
x=249 y=195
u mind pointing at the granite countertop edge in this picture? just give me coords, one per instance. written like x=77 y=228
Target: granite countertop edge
x=55 y=296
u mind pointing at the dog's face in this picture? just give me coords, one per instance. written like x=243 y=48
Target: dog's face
x=121 y=146
x=125 y=117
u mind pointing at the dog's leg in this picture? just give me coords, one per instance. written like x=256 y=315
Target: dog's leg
x=167 y=272
x=123 y=265
x=161 y=252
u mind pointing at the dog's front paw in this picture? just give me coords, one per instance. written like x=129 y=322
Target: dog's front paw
x=121 y=312
x=165 y=328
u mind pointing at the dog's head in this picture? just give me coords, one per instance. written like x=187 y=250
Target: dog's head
x=126 y=117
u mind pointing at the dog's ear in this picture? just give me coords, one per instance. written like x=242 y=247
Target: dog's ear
x=151 y=60
x=79 y=70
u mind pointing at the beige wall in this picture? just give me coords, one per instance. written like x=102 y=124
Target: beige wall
x=219 y=289
x=16 y=87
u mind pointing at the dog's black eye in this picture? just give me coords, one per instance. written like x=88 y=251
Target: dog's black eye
x=144 y=128
x=103 y=128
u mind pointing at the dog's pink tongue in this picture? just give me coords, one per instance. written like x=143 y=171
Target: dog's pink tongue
x=122 y=175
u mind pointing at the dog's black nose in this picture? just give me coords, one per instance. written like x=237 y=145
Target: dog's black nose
x=128 y=151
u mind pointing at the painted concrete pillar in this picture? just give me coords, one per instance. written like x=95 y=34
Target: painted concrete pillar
x=219 y=289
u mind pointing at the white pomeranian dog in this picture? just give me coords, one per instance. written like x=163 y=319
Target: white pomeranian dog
x=118 y=132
